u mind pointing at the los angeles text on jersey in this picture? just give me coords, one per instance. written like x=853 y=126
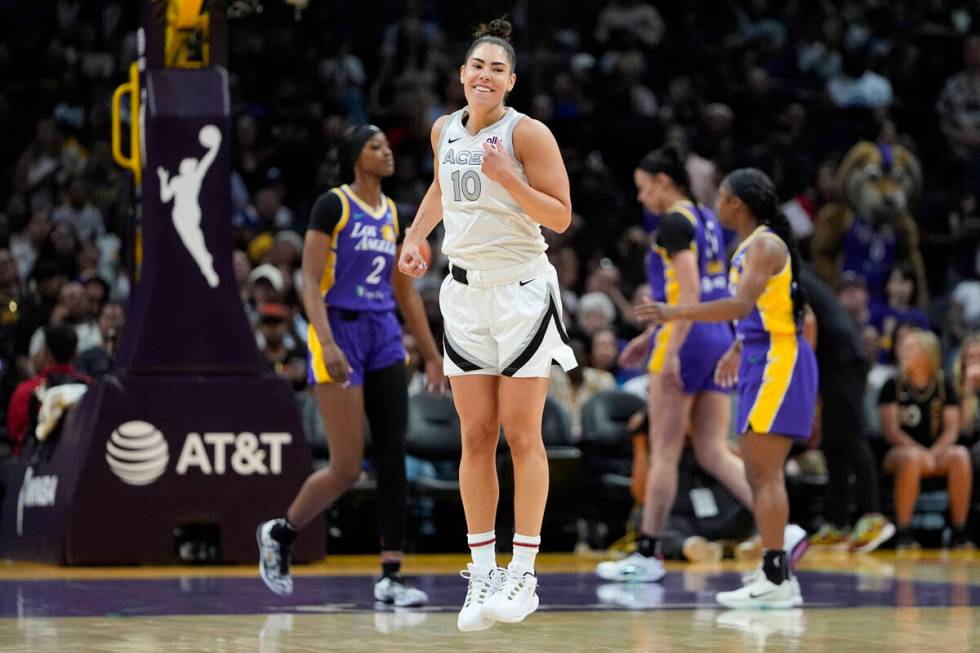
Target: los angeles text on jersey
x=463 y=157
x=372 y=241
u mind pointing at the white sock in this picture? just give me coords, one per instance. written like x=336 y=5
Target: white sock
x=525 y=550
x=483 y=548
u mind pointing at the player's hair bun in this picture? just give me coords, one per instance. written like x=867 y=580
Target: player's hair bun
x=498 y=27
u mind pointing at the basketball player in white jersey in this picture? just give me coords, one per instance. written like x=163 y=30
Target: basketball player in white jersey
x=499 y=177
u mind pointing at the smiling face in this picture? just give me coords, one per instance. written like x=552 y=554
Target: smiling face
x=487 y=76
x=376 y=157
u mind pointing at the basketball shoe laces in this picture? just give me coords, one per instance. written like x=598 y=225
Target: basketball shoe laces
x=513 y=585
x=481 y=587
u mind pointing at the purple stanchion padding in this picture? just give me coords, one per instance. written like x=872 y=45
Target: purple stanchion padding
x=141 y=457
x=188 y=447
x=186 y=316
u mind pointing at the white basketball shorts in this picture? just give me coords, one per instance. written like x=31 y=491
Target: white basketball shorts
x=504 y=322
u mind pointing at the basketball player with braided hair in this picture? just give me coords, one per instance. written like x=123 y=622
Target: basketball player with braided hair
x=685 y=264
x=499 y=177
x=357 y=361
x=773 y=364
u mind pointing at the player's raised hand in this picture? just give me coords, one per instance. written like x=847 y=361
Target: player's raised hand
x=496 y=164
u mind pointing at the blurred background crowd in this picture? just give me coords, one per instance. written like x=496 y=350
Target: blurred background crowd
x=784 y=85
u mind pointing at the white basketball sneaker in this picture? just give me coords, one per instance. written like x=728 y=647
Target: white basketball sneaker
x=796 y=543
x=634 y=567
x=274 y=559
x=482 y=584
x=761 y=593
x=514 y=600
x=399 y=593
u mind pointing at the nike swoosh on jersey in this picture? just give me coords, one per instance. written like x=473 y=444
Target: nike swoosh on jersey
x=524 y=283
x=453 y=140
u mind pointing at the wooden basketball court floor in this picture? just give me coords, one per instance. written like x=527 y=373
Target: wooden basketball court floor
x=923 y=601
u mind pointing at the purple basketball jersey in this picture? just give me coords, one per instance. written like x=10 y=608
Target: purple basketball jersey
x=362 y=255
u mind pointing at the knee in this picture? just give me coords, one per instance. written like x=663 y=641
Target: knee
x=761 y=475
x=523 y=442
x=909 y=458
x=708 y=457
x=346 y=473
x=960 y=457
x=905 y=460
x=480 y=439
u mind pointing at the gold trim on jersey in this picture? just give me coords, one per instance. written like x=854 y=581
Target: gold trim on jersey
x=672 y=289
x=377 y=214
x=775 y=304
x=320 y=373
x=330 y=269
x=776 y=378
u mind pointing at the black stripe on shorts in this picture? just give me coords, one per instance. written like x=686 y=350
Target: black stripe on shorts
x=532 y=347
x=457 y=358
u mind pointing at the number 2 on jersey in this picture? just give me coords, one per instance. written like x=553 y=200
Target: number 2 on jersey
x=379 y=265
x=468 y=185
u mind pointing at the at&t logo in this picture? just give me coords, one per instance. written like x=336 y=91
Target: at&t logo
x=138 y=454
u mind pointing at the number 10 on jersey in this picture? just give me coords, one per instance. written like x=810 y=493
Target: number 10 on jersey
x=466 y=185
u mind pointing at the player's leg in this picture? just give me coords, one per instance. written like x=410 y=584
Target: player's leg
x=475 y=397
x=521 y=405
x=710 y=420
x=668 y=411
x=342 y=411
x=386 y=406
x=765 y=455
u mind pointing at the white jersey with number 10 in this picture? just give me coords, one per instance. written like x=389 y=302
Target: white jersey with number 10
x=485 y=228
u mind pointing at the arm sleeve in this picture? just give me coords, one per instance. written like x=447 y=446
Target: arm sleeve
x=326 y=213
x=952 y=397
x=675 y=233
x=888 y=393
x=403 y=224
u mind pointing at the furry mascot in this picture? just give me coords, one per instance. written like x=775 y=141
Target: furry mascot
x=871 y=228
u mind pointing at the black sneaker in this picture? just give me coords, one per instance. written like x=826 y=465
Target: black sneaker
x=960 y=540
x=274 y=559
x=904 y=540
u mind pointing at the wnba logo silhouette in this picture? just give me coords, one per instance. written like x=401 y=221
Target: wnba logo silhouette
x=185 y=190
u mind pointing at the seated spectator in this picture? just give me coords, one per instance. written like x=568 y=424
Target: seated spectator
x=898 y=309
x=78 y=212
x=857 y=86
x=25 y=244
x=277 y=357
x=852 y=293
x=596 y=312
x=920 y=418
x=966 y=374
x=607 y=280
x=573 y=388
x=99 y=361
x=75 y=310
x=604 y=355
x=266 y=284
x=57 y=354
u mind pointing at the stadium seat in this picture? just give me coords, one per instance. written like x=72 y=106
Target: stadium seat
x=608 y=450
x=566 y=473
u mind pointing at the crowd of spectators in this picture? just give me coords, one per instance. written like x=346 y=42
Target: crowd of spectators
x=784 y=85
